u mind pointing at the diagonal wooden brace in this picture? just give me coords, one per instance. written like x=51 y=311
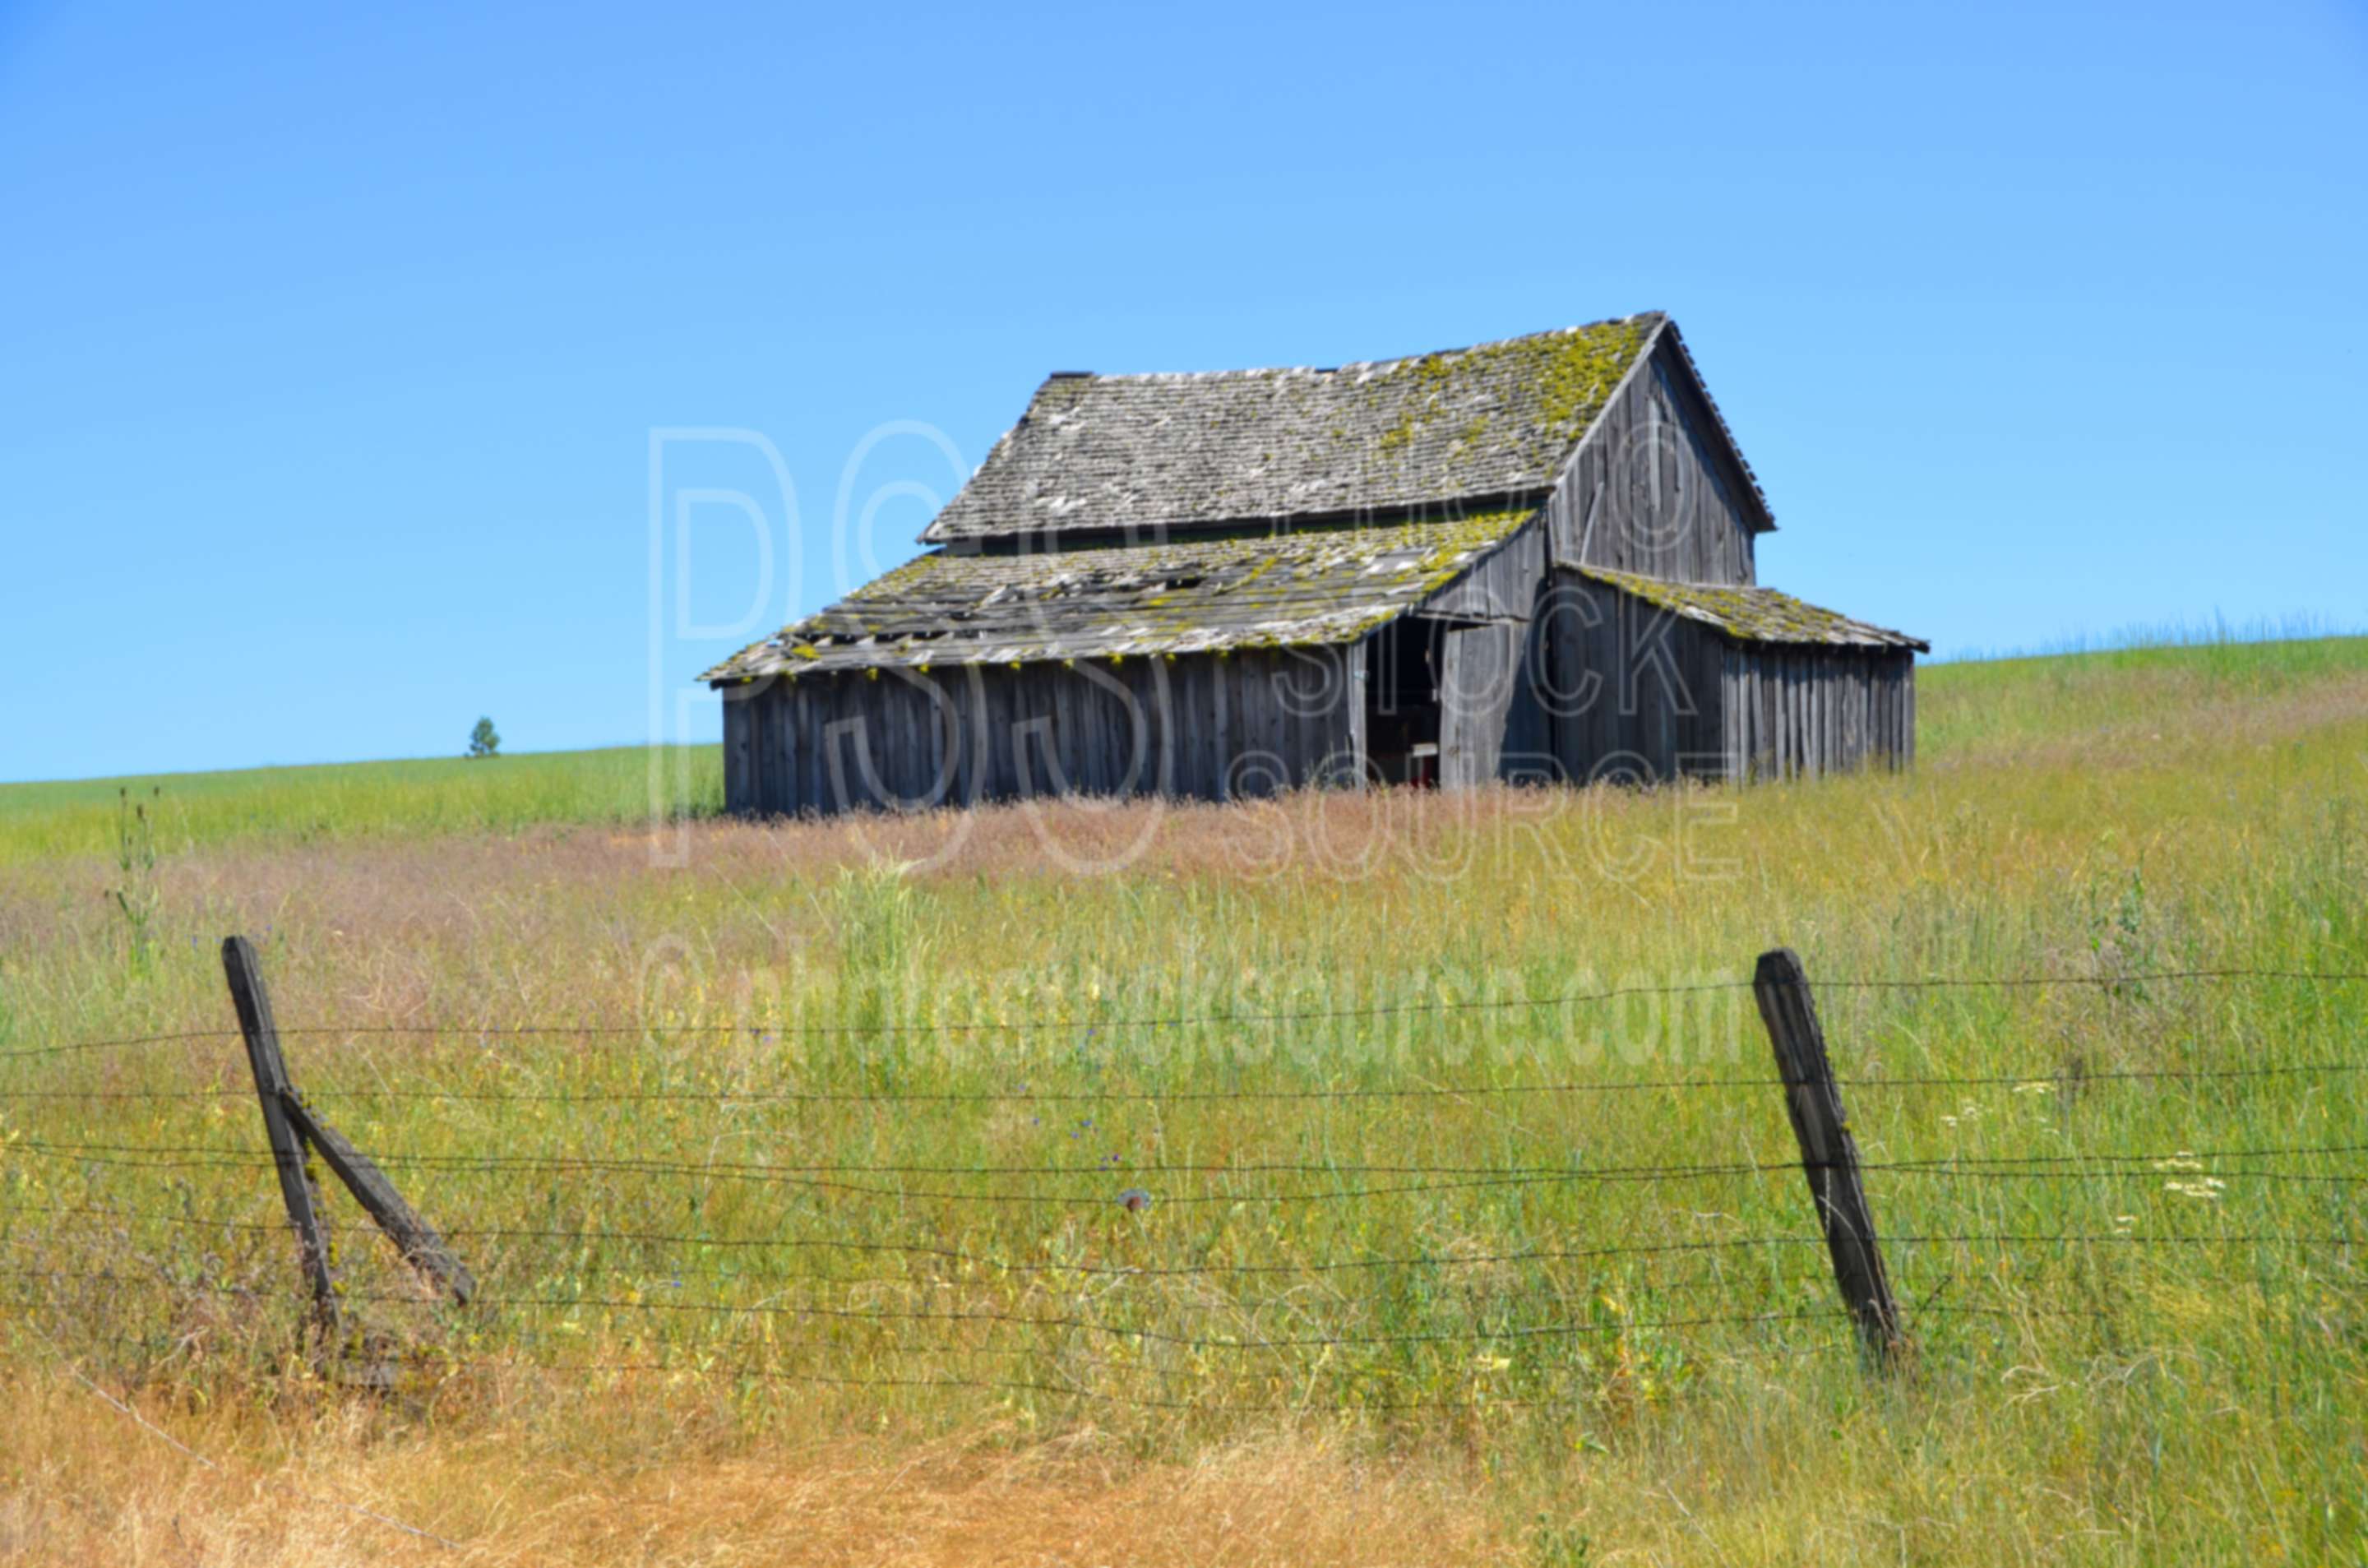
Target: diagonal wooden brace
x=421 y=1247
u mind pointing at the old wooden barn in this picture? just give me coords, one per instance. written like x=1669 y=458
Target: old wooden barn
x=1530 y=560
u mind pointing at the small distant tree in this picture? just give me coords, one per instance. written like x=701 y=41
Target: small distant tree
x=484 y=739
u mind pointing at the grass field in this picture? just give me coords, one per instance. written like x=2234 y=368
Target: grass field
x=800 y=1234
x=307 y=805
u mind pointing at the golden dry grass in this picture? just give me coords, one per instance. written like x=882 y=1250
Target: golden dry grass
x=2081 y=818
x=87 y=1485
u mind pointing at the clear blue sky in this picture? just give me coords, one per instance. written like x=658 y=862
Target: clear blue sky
x=331 y=346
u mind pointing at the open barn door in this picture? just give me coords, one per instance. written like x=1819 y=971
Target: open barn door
x=1402 y=714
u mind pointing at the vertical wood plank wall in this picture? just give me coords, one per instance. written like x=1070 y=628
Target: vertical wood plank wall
x=1479 y=673
x=1613 y=690
x=1794 y=712
x=1503 y=585
x=1202 y=727
x=1671 y=696
x=1652 y=491
x=1633 y=692
x=1599 y=686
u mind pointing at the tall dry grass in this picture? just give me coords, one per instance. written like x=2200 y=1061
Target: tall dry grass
x=2182 y=1380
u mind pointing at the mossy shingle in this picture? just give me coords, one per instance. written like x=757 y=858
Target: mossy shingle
x=1193 y=595
x=1757 y=615
x=1492 y=422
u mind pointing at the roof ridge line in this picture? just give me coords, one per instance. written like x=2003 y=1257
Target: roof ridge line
x=1366 y=366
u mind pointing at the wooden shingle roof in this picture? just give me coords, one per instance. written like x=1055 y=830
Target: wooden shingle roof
x=1757 y=615
x=1190 y=596
x=1487 y=425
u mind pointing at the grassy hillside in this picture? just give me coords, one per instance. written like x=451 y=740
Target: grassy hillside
x=799 y=1230
x=420 y=796
x=2123 y=694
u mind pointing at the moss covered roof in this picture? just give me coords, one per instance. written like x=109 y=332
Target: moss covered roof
x=1308 y=586
x=1757 y=615
x=1490 y=423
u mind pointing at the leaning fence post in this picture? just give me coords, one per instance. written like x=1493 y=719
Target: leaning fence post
x=271 y=1072
x=1828 y=1153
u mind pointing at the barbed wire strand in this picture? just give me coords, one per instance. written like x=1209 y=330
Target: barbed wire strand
x=830 y=1178
x=1072 y=1096
x=989 y=1262
x=1194 y=1020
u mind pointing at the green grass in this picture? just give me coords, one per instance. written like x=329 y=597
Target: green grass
x=2118 y=693
x=2192 y=1395
x=334 y=800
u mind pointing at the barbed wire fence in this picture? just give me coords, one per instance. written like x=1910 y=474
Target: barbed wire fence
x=860 y=1276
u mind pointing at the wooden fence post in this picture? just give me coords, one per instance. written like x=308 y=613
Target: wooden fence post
x=293 y=1126
x=271 y=1072
x=1828 y=1153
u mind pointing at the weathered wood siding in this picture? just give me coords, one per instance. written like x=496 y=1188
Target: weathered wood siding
x=1799 y=712
x=1633 y=692
x=1479 y=676
x=1203 y=727
x=1490 y=724
x=1655 y=488
x=1503 y=585
x=1597 y=685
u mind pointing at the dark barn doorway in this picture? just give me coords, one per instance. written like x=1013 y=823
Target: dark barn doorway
x=1401 y=702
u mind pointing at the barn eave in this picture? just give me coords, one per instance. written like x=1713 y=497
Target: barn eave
x=1203 y=595
x=1750 y=614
